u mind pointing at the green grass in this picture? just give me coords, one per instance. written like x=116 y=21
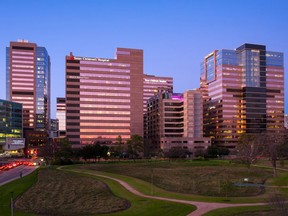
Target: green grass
x=139 y=205
x=267 y=162
x=281 y=179
x=241 y=211
x=18 y=187
x=142 y=206
x=147 y=188
x=213 y=178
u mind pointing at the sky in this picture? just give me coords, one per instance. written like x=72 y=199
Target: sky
x=174 y=34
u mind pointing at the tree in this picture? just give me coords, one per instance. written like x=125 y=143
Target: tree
x=276 y=146
x=250 y=148
x=119 y=148
x=86 y=152
x=135 y=146
x=48 y=152
x=215 y=152
x=58 y=151
x=65 y=149
x=94 y=151
x=177 y=152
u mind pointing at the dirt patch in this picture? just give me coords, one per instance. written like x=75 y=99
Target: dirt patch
x=59 y=193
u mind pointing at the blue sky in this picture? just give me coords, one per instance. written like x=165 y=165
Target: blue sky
x=174 y=34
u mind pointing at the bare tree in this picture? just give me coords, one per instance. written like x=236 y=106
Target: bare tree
x=276 y=146
x=250 y=148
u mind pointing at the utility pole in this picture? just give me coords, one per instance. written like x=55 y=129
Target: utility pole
x=12 y=204
x=152 y=182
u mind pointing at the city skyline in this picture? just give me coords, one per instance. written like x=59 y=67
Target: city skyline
x=175 y=37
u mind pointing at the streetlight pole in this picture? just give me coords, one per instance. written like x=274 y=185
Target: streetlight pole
x=152 y=182
x=12 y=204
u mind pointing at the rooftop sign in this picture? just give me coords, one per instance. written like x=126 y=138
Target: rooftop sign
x=92 y=59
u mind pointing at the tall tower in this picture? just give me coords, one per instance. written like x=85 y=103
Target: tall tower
x=243 y=93
x=28 y=82
x=175 y=120
x=104 y=97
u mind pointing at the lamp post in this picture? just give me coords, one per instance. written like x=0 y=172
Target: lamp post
x=12 y=204
x=152 y=182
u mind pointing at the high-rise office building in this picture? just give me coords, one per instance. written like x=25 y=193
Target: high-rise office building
x=61 y=116
x=104 y=97
x=154 y=84
x=11 y=130
x=243 y=90
x=28 y=82
x=175 y=120
x=54 y=128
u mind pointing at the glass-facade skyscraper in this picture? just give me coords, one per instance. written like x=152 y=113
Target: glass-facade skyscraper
x=243 y=91
x=28 y=82
x=10 y=120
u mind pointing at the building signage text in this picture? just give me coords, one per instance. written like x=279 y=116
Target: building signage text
x=92 y=59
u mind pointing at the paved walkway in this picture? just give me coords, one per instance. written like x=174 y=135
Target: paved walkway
x=202 y=207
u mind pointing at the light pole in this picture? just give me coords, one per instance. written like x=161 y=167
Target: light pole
x=152 y=182
x=12 y=204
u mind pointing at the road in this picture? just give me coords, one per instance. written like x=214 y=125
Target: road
x=12 y=174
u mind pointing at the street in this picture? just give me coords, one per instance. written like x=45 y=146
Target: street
x=12 y=174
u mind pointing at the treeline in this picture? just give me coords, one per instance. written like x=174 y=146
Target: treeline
x=60 y=151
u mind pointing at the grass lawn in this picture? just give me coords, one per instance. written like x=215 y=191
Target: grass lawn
x=18 y=187
x=149 y=189
x=266 y=162
x=205 y=178
x=242 y=211
x=146 y=207
x=62 y=193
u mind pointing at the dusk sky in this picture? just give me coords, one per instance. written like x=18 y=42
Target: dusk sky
x=174 y=34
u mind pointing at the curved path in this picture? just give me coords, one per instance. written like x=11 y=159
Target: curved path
x=202 y=207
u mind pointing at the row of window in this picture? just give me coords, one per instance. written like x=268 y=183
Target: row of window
x=105 y=94
x=22 y=79
x=104 y=112
x=22 y=88
x=104 y=118
x=22 y=66
x=22 y=53
x=105 y=100
x=22 y=61
x=104 y=69
x=104 y=87
x=22 y=57
x=105 y=130
x=101 y=124
x=105 y=75
x=108 y=106
x=23 y=83
x=104 y=63
x=104 y=81
x=93 y=137
x=22 y=75
x=23 y=70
